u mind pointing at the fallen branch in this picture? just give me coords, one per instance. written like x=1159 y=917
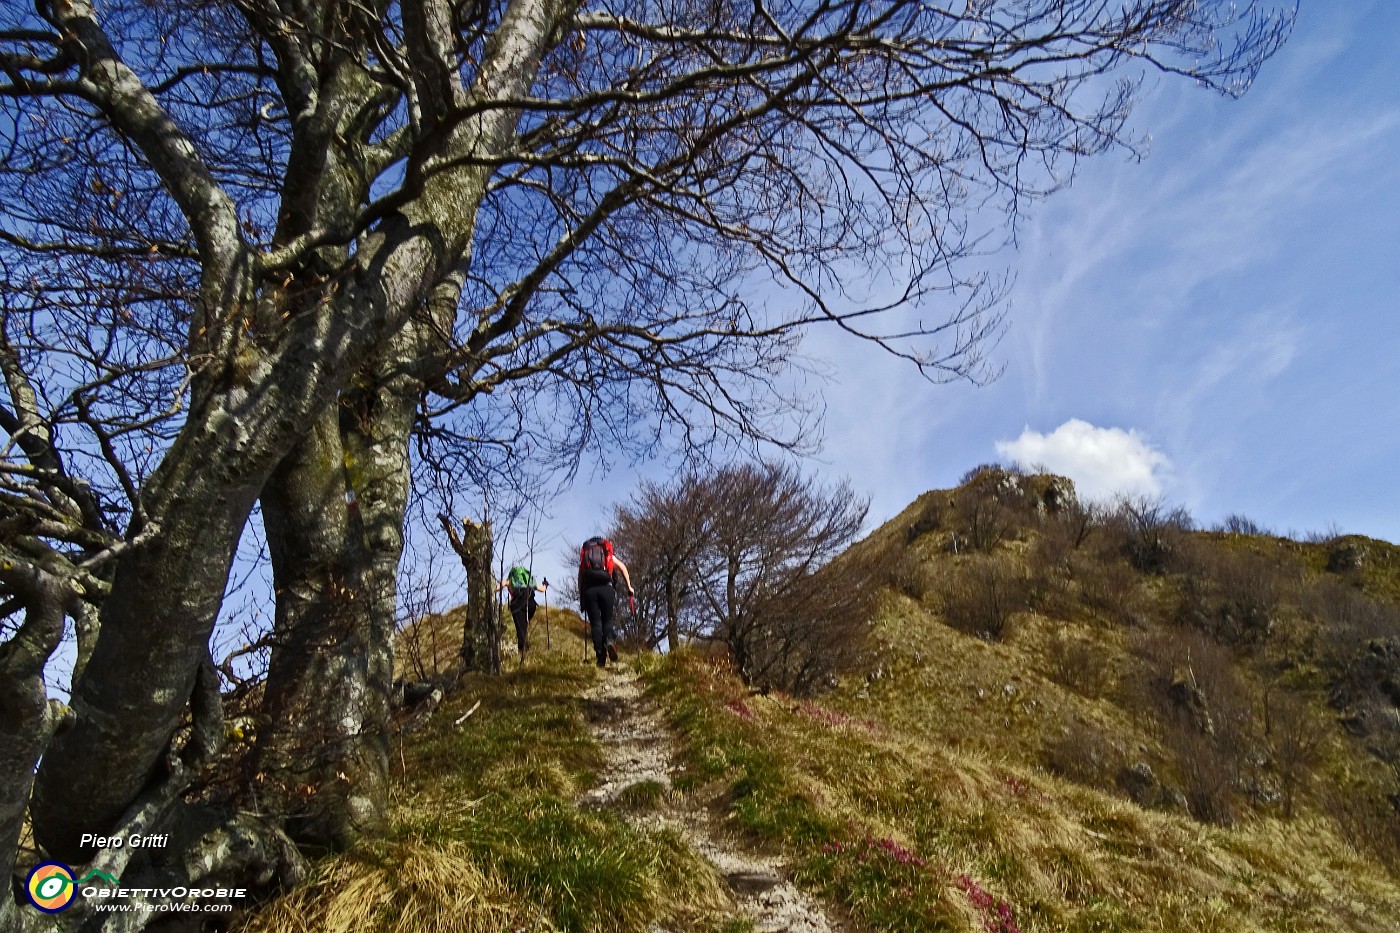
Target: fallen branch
x=462 y=718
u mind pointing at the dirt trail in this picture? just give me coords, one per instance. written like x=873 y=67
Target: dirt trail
x=639 y=747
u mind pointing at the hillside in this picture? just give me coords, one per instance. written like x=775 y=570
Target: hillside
x=1067 y=721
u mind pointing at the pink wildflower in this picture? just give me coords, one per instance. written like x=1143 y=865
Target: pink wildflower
x=997 y=914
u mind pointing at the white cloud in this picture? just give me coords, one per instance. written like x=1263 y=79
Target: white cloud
x=1103 y=462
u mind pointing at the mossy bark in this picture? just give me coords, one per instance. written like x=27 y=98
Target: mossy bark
x=277 y=348
x=334 y=516
x=481 y=630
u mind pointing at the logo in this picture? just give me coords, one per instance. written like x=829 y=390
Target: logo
x=51 y=886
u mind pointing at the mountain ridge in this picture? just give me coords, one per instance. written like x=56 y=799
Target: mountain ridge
x=1137 y=745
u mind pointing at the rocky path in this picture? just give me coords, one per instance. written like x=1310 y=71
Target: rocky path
x=639 y=747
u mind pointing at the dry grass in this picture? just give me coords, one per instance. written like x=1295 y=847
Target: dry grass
x=485 y=834
x=411 y=887
x=924 y=790
x=909 y=823
x=942 y=791
x=431 y=646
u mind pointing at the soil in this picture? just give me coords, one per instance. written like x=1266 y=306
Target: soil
x=640 y=747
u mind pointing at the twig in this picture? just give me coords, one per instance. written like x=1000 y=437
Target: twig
x=462 y=718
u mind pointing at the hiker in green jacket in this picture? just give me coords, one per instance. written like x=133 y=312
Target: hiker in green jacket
x=522 y=586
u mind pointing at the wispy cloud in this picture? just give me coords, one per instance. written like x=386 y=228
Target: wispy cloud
x=1103 y=462
x=1145 y=243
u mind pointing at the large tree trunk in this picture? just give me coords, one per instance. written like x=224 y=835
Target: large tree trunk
x=318 y=646
x=155 y=632
x=327 y=700
x=166 y=592
x=335 y=513
x=273 y=363
x=27 y=718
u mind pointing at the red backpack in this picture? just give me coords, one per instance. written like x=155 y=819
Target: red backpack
x=595 y=560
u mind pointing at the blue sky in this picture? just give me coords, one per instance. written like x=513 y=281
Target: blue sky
x=1214 y=324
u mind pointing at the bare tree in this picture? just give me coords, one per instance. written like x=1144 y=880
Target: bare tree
x=1296 y=739
x=1148 y=532
x=741 y=557
x=249 y=244
x=663 y=531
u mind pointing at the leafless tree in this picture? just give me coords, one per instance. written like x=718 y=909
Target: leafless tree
x=662 y=532
x=1148 y=531
x=984 y=599
x=248 y=245
x=987 y=509
x=741 y=557
x=1296 y=739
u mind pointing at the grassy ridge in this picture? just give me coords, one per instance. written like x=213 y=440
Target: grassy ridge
x=485 y=834
x=913 y=835
x=975 y=779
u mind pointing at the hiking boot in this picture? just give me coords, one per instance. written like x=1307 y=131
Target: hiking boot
x=602 y=662
x=612 y=653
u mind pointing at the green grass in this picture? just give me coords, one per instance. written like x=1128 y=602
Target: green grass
x=909 y=834
x=728 y=746
x=720 y=746
x=485 y=833
x=642 y=796
x=918 y=800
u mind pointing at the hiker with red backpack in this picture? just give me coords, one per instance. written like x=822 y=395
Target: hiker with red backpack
x=598 y=569
x=521 y=583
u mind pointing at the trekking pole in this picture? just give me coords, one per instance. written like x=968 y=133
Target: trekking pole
x=587 y=633
x=632 y=607
x=520 y=659
x=549 y=646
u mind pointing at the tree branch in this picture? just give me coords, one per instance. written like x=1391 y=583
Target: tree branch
x=111 y=84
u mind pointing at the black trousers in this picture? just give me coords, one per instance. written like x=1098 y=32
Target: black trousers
x=598 y=602
x=522 y=611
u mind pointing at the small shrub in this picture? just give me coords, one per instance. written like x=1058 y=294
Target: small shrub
x=1051 y=567
x=1211 y=728
x=1233 y=596
x=991 y=506
x=984 y=597
x=1331 y=533
x=930 y=519
x=1076 y=663
x=1237 y=524
x=1210 y=672
x=1368 y=821
x=1110 y=588
x=1295 y=738
x=1070 y=527
x=1251 y=588
x=1358 y=644
x=1148 y=532
x=980 y=523
x=1083 y=754
x=994 y=470
x=908 y=574
x=1208 y=781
